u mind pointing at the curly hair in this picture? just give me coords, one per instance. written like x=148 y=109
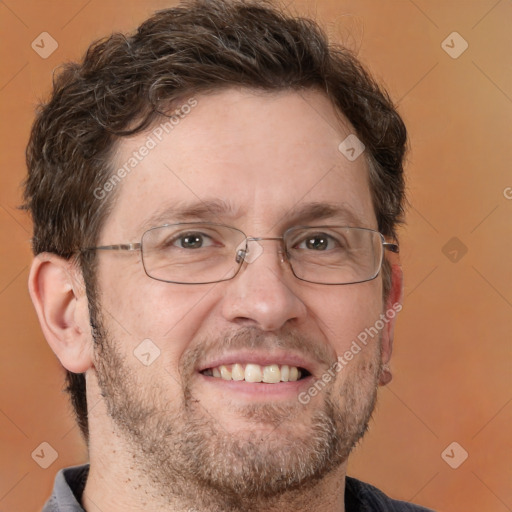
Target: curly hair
x=125 y=83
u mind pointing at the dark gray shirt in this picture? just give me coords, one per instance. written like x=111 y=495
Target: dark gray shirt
x=359 y=497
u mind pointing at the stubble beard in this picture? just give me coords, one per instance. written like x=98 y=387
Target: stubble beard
x=189 y=457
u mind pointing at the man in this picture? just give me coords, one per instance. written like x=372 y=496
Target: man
x=215 y=199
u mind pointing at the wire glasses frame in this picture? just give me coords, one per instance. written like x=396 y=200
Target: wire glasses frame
x=334 y=255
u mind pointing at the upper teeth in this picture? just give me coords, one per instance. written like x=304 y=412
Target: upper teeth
x=255 y=373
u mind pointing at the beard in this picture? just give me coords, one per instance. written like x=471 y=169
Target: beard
x=188 y=456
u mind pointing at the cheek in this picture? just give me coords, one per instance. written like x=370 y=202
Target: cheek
x=137 y=308
x=346 y=314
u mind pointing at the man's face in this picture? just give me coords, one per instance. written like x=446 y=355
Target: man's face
x=266 y=156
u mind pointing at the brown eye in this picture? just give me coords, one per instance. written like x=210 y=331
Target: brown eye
x=317 y=243
x=191 y=241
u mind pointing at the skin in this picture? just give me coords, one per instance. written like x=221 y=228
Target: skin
x=267 y=154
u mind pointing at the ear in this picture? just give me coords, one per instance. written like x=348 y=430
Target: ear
x=392 y=307
x=58 y=293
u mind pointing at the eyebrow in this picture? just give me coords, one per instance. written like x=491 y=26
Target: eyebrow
x=322 y=211
x=218 y=210
x=199 y=210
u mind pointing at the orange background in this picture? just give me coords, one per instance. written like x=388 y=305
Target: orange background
x=452 y=358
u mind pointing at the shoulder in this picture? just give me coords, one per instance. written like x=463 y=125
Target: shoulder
x=363 y=497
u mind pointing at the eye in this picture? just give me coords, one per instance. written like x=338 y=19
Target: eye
x=318 y=242
x=191 y=241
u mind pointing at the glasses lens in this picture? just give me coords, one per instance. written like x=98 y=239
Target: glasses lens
x=194 y=253
x=191 y=253
x=334 y=255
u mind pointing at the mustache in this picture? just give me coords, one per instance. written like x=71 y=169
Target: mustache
x=210 y=347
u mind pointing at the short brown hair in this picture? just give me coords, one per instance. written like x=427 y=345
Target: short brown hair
x=125 y=82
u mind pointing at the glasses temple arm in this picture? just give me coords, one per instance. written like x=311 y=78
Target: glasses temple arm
x=391 y=247
x=118 y=247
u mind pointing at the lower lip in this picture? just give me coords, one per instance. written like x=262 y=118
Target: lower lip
x=279 y=390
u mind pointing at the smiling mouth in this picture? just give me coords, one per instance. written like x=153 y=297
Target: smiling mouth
x=270 y=374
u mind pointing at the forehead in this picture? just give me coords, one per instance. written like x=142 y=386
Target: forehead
x=256 y=160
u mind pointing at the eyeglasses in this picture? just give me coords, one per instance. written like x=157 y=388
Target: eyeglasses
x=203 y=253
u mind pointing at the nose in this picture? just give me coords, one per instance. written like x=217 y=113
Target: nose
x=264 y=293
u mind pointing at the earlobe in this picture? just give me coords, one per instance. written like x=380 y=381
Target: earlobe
x=392 y=307
x=58 y=295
